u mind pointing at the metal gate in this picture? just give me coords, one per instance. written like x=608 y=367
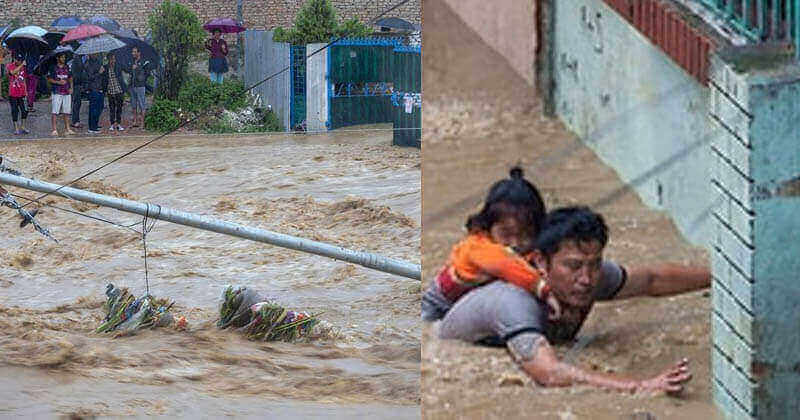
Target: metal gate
x=297 y=99
x=407 y=96
x=360 y=78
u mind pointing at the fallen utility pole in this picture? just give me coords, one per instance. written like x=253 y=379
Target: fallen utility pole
x=154 y=211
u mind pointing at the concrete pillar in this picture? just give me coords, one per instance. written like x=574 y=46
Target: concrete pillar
x=755 y=158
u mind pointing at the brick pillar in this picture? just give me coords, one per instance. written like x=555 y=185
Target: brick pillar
x=755 y=161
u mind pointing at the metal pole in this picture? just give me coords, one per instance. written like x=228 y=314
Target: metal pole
x=366 y=259
x=239 y=47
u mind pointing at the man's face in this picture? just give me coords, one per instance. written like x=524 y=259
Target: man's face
x=217 y=35
x=62 y=59
x=573 y=271
x=135 y=54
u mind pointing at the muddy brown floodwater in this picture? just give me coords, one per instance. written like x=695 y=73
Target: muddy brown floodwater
x=480 y=118
x=349 y=188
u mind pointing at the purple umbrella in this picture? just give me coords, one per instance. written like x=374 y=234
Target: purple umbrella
x=225 y=25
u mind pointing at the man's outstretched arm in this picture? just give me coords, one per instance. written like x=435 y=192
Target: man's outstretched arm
x=537 y=358
x=664 y=279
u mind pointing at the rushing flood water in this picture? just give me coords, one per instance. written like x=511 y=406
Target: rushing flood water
x=350 y=189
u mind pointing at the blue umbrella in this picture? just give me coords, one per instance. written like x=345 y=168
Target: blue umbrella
x=65 y=23
x=124 y=33
x=104 y=22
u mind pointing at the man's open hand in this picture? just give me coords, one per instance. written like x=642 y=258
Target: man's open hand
x=670 y=381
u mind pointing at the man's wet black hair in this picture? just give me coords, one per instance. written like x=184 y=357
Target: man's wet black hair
x=579 y=224
x=511 y=197
x=216 y=30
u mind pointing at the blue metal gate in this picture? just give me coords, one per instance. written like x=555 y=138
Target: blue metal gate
x=297 y=99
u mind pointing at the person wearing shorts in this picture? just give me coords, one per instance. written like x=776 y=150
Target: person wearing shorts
x=60 y=78
x=569 y=249
x=140 y=71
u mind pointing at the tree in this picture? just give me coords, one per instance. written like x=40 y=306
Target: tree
x=177 y=35
x=316 y=22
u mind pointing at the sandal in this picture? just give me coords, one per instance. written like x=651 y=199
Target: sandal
x=54 y=133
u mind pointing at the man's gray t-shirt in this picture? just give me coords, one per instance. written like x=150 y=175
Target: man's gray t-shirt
x=499 y=311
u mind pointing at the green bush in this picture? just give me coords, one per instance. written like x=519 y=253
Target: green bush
x=316 y=22
x=162 y=116
x=198 y=94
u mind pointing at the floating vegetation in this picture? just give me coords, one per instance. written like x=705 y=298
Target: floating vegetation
x=262 y=319
x=126 y=314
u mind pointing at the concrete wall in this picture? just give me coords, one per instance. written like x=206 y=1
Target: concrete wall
x=756 y=179
x=317 y=88
x=508 y=26
x=262 y=59
x=258 y=14
x=640 y=112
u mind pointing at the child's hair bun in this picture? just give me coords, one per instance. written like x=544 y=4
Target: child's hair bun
x=516 y=173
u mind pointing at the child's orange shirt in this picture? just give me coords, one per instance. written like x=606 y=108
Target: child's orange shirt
x=477 y=260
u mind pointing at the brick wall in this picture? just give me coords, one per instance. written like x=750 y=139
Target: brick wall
x=263 y=14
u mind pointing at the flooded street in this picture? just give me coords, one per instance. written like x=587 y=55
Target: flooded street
x=347 y=188
x=481 y=118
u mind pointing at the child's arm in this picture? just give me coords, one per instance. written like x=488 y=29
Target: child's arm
x=500 y=262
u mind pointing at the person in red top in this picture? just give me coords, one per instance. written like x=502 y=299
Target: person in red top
x=217 y=53
x=497 y=236
x=17 y=92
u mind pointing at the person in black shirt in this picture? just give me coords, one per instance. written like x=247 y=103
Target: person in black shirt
x=78 y=86
x=140 y=71
x=94 y=76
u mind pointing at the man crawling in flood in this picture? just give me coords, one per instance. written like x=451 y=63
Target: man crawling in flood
x=568 y=248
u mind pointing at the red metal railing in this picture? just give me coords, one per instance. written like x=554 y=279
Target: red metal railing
x=689 y=47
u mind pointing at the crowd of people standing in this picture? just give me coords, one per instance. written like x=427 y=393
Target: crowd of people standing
x=100 y=78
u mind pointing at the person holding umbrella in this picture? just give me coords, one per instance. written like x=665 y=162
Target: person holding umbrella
x=115 y=88
x=94 y=76
x=60 y=78
x=17 y=90
x=217 y=56
x=95 y=73
x=79 y=81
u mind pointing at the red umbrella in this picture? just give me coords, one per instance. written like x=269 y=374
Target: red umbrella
x=225 y=25
x=82 y=32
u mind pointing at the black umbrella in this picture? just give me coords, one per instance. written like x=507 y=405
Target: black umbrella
x=148 y=52
x=124 y=33
x=49 y=59
x=53 y=38
x=27 y=43
x=396 y=23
